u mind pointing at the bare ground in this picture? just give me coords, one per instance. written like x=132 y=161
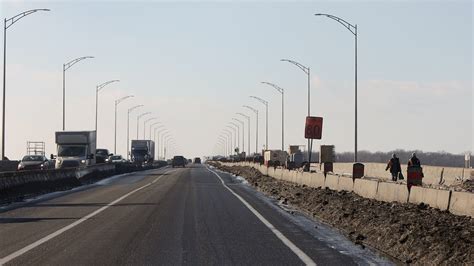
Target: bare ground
x=415 y=234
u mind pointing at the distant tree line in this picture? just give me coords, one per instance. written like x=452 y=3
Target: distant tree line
x=427 y=158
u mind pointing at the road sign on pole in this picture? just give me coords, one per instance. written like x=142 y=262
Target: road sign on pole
x=313 y=127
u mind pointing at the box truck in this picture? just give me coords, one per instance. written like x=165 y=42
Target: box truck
x=143 y=151
x=75 y=148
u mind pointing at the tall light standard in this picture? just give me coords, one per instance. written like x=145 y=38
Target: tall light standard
x=144 y=125
x=128 y=127
x=229 y=138
x=238 y=133
x=223 y=140
x=138 y=120
x=151 y=127
x=165 y=143
x=266 y=118
x=307 y=71
x=353 y=30
x=159 y=145
x=7 y=23
x=154 y=136
x=279 y=89
x=256 y=126
x=98 y=88
x=248 y=129
x=66 y=66
x=117 y=102
x=163 y=137
x=243 y=125
x=234 y=137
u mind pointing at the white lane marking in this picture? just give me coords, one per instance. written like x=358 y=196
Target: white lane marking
x=298 y=252
x=64 y=229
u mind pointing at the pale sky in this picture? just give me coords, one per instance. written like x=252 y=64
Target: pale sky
x=194 y=64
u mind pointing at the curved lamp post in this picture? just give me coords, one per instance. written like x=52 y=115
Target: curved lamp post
x=117 y=102
x=282 y=91
x=98 y=88
x=256 y=126
x=7 y=23
x=67 y=66
x=229 y=140
x=158 y=142
x=128 y=127
x=154 y=130
x=266 y=118
x=307 y=71
x=353 y=30
x=144 y=125
x=234 y=131
x=238 y=133
x=248 y=130
x=243 y=125
x=138 y=120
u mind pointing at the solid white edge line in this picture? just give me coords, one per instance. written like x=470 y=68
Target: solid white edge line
x=298 y=252
x=74 y=224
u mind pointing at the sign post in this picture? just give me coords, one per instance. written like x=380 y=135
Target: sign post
x=313 y=130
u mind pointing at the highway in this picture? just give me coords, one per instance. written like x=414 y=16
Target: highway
x=168 y=217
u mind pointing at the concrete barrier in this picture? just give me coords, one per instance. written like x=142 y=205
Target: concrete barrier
x=390 y=192
x=331 y=182
x=346 y=184
x=279 y=173
x=366 y=188
x=317 y=180
x=306 y=179
x=436 y=198
x=462 y=203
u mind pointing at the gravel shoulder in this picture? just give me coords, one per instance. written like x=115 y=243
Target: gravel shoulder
x=415 y=234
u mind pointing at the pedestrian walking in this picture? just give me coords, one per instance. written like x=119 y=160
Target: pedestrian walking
x=395 y=167
x=414 y=161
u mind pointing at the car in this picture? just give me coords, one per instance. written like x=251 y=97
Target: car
x=117 y=159
x=197 y=160
x=33 y=162
x=178 y=161
x=102 y=156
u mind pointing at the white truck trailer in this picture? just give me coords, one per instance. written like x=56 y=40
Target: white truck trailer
x=75 y=148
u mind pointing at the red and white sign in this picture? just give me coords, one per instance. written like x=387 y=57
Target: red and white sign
x=313 y=128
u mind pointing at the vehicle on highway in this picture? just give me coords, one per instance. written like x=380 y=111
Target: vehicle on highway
x=75 y=148
x=197 y=160
x=117 y=159
x=178 y=161
x=33 y=162
x=102 y=156
x=143 y=152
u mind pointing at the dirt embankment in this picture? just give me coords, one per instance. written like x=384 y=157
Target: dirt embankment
x=412 y=233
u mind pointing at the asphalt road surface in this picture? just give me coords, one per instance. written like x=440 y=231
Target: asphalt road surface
x=167 y=217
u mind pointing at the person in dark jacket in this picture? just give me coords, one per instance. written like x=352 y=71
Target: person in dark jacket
x=394 y=166
x=414 y=161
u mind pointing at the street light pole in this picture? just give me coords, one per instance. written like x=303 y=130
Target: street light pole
x=154 y=138
x=256 y=126
x=248 y=129
x=266 y=118
x=98 y=88
x=138 y=120
x=117 y=102
x=10 y=22
x=353 y=30
x=66 y=66
x=243 y=128
x=154 y=130
x=307 y=71
x=233 y=138
x=238 y=134
x=128 y=127
x=144 y=125
x=282 y=112
x=229 y=137
x=159 y=143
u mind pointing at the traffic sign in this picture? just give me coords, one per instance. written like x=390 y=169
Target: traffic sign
x=313 y=127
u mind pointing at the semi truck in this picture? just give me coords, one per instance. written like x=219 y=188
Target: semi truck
x=75 y=148
x=143 y=152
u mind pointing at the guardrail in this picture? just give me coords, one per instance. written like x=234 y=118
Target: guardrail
x=458 y=203
x=23 y=183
